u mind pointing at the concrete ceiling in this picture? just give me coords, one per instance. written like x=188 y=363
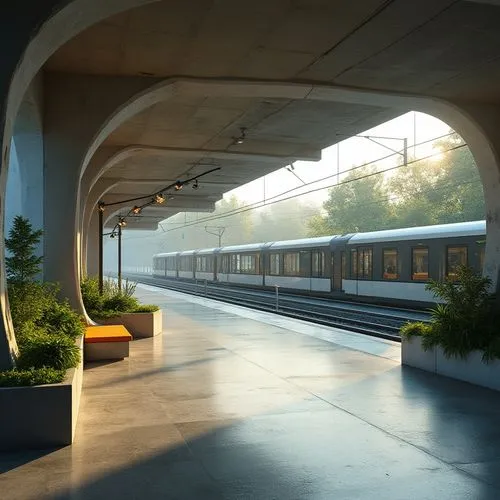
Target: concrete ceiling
x=443 y=48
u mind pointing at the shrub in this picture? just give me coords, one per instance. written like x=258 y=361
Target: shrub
x=59 y=318
x=413 y=329
x=91 y=297
x=53 y=351
x=466 y=320
x=31 y=376
x=113 y=301
x=29 y=301
x=146 y=308
x=120 y=302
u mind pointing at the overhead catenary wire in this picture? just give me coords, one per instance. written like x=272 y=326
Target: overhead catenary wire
x=250 y=207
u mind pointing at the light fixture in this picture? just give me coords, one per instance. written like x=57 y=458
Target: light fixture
x=195 y=184
x=159 y=198
x=101 y=206
x=136 y=210
x=178 y=185
x=241 y=138
x=112 y=235
x=122 y=222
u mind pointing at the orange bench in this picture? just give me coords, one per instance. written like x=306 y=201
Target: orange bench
x=106 y=342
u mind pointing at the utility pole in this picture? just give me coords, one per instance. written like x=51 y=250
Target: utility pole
x=219 y=231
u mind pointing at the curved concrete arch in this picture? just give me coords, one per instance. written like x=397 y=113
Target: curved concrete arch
x=464 y=119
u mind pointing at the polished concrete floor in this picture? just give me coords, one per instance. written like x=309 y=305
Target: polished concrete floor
x=236 y=404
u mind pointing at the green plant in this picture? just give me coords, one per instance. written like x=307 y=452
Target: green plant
x=31 y=376
x=59 y=318
x=54 y=351
x=146 y=308
x=464 y=321
x=91 y=297
x=22 y=265
x=413 y=329
x=113 y=301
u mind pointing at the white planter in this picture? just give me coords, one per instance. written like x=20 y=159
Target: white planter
x=472 y=369
x=412 y=354
x=41 y=416
x=140 y=325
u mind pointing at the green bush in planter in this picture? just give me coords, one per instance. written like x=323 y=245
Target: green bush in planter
x=414 y=329
x=31 y=376
x=53 y=351
x=465 y=321
x=59 y=318
x=113 y=301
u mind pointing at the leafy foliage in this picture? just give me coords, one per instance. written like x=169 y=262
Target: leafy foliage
x=53 y=351
x=465 y=321
x=423 y=193
x=22 y=265
x=31 y=376
x=113 y=301
x=46 y=328
x=414 y=329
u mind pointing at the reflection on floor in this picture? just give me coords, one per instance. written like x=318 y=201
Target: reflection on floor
x=235 y=404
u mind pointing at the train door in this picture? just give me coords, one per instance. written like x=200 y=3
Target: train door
x=215 y=262
x=337 y=270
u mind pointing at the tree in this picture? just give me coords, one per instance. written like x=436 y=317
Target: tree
x=22 y=265
x=360 y=203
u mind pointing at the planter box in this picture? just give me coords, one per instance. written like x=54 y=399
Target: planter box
x=412 y=354
x=472 y=369
x=140 y=325
x=41 y=416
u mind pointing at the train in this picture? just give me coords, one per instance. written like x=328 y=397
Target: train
x=389 y=266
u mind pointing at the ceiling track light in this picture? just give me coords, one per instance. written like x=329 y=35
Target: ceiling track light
x=241 y=138
x=112 y=235
x=178 y=185
x=159 y=198
x=122 y=222
x=137 y=210
x=101 y=206
x=195 y=184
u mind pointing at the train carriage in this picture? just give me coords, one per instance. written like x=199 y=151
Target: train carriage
x=384 y=266
x=206 y=264
x=303 y=264
x=165 y=265
x=241 y=264
x=396 y=264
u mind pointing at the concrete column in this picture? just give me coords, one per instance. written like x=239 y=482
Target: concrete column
x=77 y=106
x=93 y=245
x=479 y=125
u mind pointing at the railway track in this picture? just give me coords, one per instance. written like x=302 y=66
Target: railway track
x=378 y=321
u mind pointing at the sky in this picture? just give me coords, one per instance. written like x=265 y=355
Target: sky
x=415 y=127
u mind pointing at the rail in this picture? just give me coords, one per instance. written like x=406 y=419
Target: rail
x=378 y=321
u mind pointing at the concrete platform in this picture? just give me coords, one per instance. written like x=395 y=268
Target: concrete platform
x=236 y=404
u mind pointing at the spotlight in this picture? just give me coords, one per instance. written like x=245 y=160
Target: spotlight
x=241 y=138
x=101 y=206
x=122 y=222
x=159 y=198
x=136 y=210
x=112 y=235
x=195 y=184
x=178 y=185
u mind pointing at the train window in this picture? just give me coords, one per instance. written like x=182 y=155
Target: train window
x=365 y=263
x=354 y=263
x=455 y=257
x=291 y=264
x=249 y=264
x=225 y=264
x=318 y=263
x=274 y=264
x=186 y=263
x=343 y=269
x=420 y=263
x=390 y=264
